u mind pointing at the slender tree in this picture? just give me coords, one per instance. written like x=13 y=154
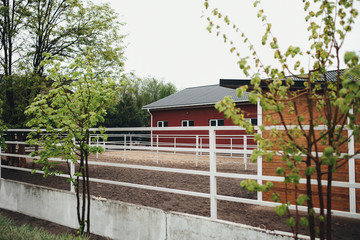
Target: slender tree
x=67 y=112
x=311 y=121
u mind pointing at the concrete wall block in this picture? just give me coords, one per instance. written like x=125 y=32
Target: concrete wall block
x=113 y=219
x=119 y=220
x=40 y=202
x=116 y=219
x=185 y=226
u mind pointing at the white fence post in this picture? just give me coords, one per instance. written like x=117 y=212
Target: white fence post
x=245 y=154
x=197 y=149
x=72 y=173
x=200 y=145
x=151 y=139
x=174 y=144
x=231 y=147
x=212 y=148
x=157 y=149
x=352 y=179
x=97 y=145
x=104 y=143
x=130 y=141
x=124 y=147
x=259 y=159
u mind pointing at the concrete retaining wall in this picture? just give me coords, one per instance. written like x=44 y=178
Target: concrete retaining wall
x=119 y=220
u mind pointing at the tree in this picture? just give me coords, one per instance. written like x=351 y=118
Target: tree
x=67 y=112
x=152 y=90
x=308 y=140
x=61 y=28
x=23 y=89
x=139 y=92
x=68 y=28
x=11 y=24
x=12 y=13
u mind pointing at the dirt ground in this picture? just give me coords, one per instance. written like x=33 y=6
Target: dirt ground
x=258 y=216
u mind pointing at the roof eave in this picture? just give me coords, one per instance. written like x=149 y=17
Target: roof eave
x=187 y=106
x=235 y=83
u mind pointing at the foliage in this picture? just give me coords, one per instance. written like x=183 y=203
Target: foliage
x=68 y=28
x=311 y=119
x=11 y=24
x=18 y=91
x=139 y=92
x=61 y=28
x=75 y=103
x=9 y=230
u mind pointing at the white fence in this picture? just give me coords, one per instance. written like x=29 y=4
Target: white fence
x=209 y=141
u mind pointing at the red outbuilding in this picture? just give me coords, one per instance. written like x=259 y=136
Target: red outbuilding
x=195 y=107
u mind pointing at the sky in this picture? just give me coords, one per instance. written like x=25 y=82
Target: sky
x=168 y=40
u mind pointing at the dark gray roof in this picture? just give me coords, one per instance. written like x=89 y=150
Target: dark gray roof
x=330 y=76
x=298 y=82
x=196 y=96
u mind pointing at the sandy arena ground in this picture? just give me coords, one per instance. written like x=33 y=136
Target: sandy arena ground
x=257 y=216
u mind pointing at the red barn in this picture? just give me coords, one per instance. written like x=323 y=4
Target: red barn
x=343 y=199
x=195 y=107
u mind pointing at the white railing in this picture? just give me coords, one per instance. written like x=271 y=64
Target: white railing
x=214 y=148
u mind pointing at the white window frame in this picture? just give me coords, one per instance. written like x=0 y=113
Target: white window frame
x=216 y=122
x=162 y=123
x=187 y=123
x=251 y=119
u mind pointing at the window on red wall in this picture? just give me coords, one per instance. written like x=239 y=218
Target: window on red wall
x=216 y=122
x=162 y=123
x=252 y=120
x=187 y=123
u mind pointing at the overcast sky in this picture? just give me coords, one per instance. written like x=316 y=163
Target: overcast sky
x=168 y=39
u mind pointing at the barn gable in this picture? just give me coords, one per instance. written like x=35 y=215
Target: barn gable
x=195 y=107
x=196 y=96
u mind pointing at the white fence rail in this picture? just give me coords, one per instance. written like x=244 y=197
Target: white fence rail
x=213 y=145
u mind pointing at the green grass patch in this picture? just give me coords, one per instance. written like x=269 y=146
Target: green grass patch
x=10 y=231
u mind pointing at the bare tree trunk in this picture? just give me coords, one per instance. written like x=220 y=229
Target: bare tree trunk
x=87 y=181
x=82 y=225
x=310 y=210
x=87 y=193
x=328 y=205
x=321 y=201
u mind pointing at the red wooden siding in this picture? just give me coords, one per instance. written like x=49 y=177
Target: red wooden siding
x=340 y=196
x=201 y=117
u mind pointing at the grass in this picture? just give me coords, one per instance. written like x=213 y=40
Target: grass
x=10 y=231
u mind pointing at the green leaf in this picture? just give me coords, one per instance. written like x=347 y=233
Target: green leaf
x=277 y=54
x=304 y=222
x=290 y=222
x=328 y=151
x=302 y=199
x=206 y=4
x=280 y=210
x=298 y=158
x=309 y=171
x=275 y=197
